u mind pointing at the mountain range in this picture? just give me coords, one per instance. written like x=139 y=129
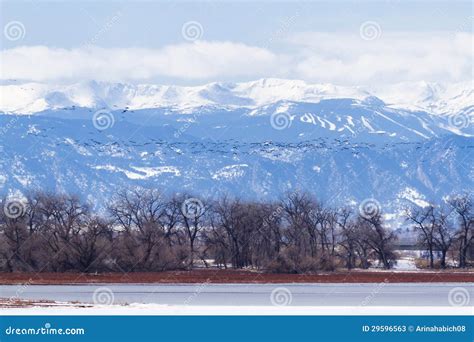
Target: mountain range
x=400 y=145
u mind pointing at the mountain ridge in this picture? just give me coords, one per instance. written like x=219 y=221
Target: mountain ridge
x=342 y=149
x=29 y=98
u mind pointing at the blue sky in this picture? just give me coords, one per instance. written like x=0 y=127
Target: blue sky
x=155 y=23
x=297 y=37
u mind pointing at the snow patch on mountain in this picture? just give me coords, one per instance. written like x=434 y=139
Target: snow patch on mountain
x=413 y=196
x=230 y=172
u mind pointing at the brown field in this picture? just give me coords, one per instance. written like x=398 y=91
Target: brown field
x=234 y=276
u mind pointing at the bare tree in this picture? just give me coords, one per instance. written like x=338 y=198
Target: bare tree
x=62 y=218
x=14 y=235
x=194 y=217
x=93 y=244
x=463 y=207
x=379 y=239
x=304 y=218
x=348 y=237
x=146 y=222
x=424 y=223
x=444 y=234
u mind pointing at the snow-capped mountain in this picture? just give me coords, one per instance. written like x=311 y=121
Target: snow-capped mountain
x=256 y=140
x=34 y=97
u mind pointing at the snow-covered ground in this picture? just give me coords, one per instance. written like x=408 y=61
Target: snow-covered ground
x=154 y=309
x=405 y=264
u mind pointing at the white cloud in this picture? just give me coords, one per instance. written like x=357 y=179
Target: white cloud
x=339 y=58
x=199 y=60
x=394 y=57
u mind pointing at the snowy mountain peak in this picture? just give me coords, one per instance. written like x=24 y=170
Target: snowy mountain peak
x=27 y=98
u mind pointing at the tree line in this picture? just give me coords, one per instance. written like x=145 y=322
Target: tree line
x=143 y=230
x=444 y=228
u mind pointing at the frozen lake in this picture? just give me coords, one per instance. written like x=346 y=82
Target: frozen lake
x=379 y=294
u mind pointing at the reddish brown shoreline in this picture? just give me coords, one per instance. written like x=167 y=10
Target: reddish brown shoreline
x=231 y=276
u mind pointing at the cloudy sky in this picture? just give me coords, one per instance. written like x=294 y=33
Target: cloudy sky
x=341 y=42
